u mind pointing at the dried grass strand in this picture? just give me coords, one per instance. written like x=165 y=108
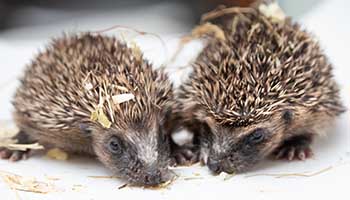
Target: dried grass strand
x=284 y=175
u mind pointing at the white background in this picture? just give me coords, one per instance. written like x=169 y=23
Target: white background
x=329 y=22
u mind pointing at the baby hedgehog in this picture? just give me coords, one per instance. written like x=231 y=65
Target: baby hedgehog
x=73 y=96
x=265 y=89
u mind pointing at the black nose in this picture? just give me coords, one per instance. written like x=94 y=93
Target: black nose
x=214 y=166
x=153 y=178
x=220 y=166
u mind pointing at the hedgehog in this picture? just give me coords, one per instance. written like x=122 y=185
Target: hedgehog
x=71 y=97
x=265 y=89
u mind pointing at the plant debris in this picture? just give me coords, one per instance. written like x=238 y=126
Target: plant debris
x=121 y=98
x=157 y=187
x=208 y=29
x=99 y=116
x=104 y=177
x=196 y=174
x=284 y=175
x=21 y=147
x=123 y=186
x=224 y=11
x=273 y=11
x=20 y=183
x=57 y=154
x=162 y=185
x=136 y=50
x=88 y=86
x=121 y=88
x=192 y=178
x=7 y=141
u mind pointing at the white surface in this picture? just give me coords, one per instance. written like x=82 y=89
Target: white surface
x=329 y=21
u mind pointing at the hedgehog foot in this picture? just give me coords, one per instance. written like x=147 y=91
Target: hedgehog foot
x=184 y=156
x=296 y=148
x=15 y=155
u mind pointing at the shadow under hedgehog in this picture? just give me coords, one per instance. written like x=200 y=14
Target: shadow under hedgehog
x=77 y=77
x=264 y=89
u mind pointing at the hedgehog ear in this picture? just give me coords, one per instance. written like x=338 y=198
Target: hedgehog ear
x=167 y=113
x=85 y=129
x=203 y=117
x=167 y=120
x=288 y=116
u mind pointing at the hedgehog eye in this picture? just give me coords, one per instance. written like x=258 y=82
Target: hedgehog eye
x=114 y=145
x=287 y=115
x=257 y=136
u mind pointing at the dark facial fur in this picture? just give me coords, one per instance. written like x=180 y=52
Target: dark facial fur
x=54 y=105
x=267 y=82
x=238 y=148
x=141 y=153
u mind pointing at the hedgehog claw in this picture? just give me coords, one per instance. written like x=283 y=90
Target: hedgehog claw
x=13 y=156
x=301 y=155
x=5 y=153
x=294 y=153
x=294 y=149
x=280 y=153
x=18 y=155
x=291 y=153
x=185 y=156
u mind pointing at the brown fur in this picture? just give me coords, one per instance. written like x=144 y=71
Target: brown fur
x=262 y=69
x=53 y=104
x=52 y=95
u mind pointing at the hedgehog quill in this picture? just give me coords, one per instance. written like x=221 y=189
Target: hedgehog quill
x=267 y=89
x=90 y=94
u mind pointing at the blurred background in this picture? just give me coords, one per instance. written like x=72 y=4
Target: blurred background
x=43 y=18
x=27 y=25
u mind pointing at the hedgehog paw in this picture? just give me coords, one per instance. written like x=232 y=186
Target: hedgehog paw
x=185 y=156
x=297 y=148
x=13 y=155
x=292 y=153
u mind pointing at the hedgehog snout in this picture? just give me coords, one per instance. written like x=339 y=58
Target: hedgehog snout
x=154 y=177
x=218 y=166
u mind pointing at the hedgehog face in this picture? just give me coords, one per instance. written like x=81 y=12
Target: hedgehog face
x=139 y=155
x=232 y=149
x=250 y=76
